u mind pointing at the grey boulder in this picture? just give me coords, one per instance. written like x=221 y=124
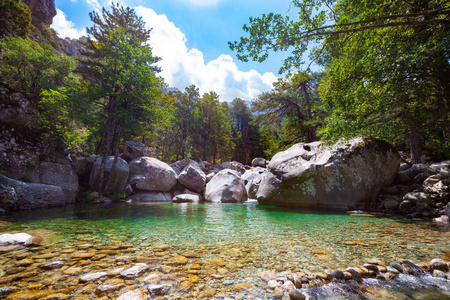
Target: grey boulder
x=133 y=150
x=60 y=174
x=120 y=175
x=340 y=176
x=227 y=187
x=151 y=174
x=190 y=174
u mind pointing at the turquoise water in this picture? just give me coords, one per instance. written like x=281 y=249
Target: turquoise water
x=273 y=238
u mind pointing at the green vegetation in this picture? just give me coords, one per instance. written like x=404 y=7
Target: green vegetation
x=386 y=74
x=386 y=66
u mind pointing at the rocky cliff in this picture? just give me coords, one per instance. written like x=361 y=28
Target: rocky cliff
x=42 y=12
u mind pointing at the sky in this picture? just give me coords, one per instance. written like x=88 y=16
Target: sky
x=191 y=37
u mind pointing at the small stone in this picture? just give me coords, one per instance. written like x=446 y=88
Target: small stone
x=278 y=292
x=390 y=276
x=348 y=276
x=207 y=293
x=338 y=274
x=186 y=286
x=439 y=274
x=296 y=294
x=24 y=262
x=439 y=264
x=159 y=289
x=272 y=284
x=52 y=265
x=195 y=267
x=72 y=271
x=133 y=295
x=242 y=287
x=392 y=270
x=397 y=266
x=179 y=260
x=267 y=275
x=356 y=275
x=92 y=276
x=57 y=296
x=134 y=271
x=105 y=288
x=30 y=294
x=217 y=262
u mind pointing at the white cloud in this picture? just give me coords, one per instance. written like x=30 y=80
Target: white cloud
x=64 y=27
x=183 y=67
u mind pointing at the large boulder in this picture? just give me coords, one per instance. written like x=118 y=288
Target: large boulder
x=120 y=174
x=341 y=176
x=60 y=174
x=190 y=174
x=226 y=186
x=259 y=162
x=151 y=174
x=133 y=150
x=30 y=195
x=152 y=197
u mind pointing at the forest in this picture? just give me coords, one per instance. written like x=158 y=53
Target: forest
x=385 y=73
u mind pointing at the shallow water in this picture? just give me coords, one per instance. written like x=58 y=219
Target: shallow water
x=272 y=238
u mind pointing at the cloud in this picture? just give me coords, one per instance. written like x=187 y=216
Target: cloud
x=183 y=67
x=64 y=27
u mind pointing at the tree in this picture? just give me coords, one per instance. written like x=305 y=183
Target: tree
x=15 y=18
x=387 y=66
x=119 y=65
x=296 y=102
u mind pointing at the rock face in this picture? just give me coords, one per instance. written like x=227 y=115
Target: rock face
x=120 y=177
x=60 y=174
x=152 y=197
x=190 y=175
x=32 y=195
x=150 y=174
x=227 y=187
x=313 y=175
x=259 y=162
x=42 y=12
x=135 y=150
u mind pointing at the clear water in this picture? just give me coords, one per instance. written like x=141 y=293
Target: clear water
x=273 y=238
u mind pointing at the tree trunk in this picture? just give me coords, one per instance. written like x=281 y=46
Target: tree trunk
x=112 y=174
x=414 y=147
x=106 y=152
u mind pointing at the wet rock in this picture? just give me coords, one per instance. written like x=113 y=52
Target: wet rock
x=52 y=265
x=338 y=274
x=296 y=294
x=227 y=187
x=151 y=174
x=134 y=271
x=356 y=275
x=133 y=295
x=439 y=274
x=186 y=198
x=442 y=219
x=242 y=287
x=186 y=286
x=120 y=174
x=391 y=204
x=105 y=288
x=93 y=276
x=179 y=260
x=397 y=266
x=439 y=264
x=29 y=295
x=15 y=239
x=159 y=289
x=73 y=271
x=312 y=175
x=406 y=206
x=390 y=275
x=152 y=197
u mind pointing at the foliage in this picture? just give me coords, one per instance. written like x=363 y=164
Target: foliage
x=15 y=18
x=387 y=65
x=31 y=68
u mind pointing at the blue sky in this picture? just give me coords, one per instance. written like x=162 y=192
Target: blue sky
x=191 y=36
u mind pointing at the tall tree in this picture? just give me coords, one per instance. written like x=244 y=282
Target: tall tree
x=378 y=54
x=119 y=65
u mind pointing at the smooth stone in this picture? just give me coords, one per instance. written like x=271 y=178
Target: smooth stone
x=439 y=264
x=52 y=265
x=267 y=275
x=107 y=288
x=272 y=284
x=439 y=274
x=93 y=276
x=397 y=266
x=134 y=271
x=159 y=289
x=356 y=275
x=392 y=270
x=338 y=274
x=288 y=286
x=296 y=294
x=133 y=295
x=16 y=238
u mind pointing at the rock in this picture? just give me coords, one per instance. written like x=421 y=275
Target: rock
x=152 y=197
x=179 y=260
x=442 y=219
x=8 y=198
x=296 y=294
x=233 y=165
x=29 y=294
x=133 y=150
x=356 y=275
x=34 y=195
x=420 y=168
x=159 y=290
x=82 y=167
x=420 y=178
x=208 y=293
x=288 y=286
x=272 y=283
x=439 y=274
x=60 y=174
x=404 y=166
x=120 y=174
x=338 y=274
x=406 y=206
x=403 y=177
x=313 y=175
x=16 y=239
x=227 y=187
x=42 y=12
x=186 y=198
x=134 y=271
x=210 y=176
x=133 y=295
x=391 y=190
x=418 y=197
x=447 y=210
x=391 y=204
x=150 y=174
x=267 y=275
x=259 y=162
x=439 y=264
x=93 y=276
x=52 y=265
x=192 y=177
x=397 y=266
x=253 y=186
